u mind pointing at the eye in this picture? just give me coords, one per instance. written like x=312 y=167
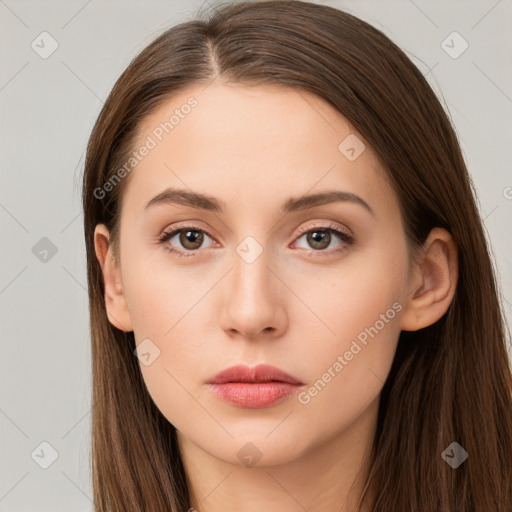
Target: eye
x=190 y=237
x=320 y=238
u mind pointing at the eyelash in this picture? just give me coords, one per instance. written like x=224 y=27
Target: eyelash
x=347 y=239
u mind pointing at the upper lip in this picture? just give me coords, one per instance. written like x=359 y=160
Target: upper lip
x=259 y=373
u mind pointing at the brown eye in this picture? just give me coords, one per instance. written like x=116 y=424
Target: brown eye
x=185 y=240
x=191 y=239
x=319 y=239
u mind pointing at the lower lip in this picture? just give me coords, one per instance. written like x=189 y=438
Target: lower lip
x=254 y=395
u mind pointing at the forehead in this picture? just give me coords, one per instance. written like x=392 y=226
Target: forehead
x=261 y=141
x=264 y=115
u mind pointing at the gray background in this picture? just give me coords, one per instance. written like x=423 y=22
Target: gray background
x=48 y=107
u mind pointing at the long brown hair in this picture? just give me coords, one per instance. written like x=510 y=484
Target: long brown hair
x=450 y=382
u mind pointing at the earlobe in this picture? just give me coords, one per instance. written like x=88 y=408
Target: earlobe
x=433 y=282
x=115 y=301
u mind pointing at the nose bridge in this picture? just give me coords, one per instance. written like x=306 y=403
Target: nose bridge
x=252 y=304
x=251 y=274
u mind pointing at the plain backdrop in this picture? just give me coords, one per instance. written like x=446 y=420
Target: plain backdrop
x=48 y=106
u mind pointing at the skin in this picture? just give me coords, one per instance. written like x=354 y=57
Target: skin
x=293 y=307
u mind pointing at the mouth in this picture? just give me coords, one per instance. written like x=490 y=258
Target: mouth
x=257 y=387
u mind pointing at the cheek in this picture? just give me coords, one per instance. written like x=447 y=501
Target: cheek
x=347 y=370
x=359 y=305
x=160 y=294
x=360 y=322
x=168 y=307
x=351 y=296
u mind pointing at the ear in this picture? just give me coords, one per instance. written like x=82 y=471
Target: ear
x=115 y=301
x=433 y=281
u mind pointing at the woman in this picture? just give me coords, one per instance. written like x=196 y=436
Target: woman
x=292 y=302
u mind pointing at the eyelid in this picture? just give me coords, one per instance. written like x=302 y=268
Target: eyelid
x=326 y=224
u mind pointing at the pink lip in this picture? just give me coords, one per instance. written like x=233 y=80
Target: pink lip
x=256 y=387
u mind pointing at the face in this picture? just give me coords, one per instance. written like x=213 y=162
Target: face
x=258 y=274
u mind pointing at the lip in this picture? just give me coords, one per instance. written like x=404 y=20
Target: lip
x=257 y=387
x=256 y=374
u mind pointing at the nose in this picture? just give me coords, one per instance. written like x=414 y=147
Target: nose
x=254 y=300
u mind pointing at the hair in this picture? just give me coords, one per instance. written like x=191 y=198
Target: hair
x=448 y=382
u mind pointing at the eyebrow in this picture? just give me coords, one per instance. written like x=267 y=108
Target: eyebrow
x=293 y=204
